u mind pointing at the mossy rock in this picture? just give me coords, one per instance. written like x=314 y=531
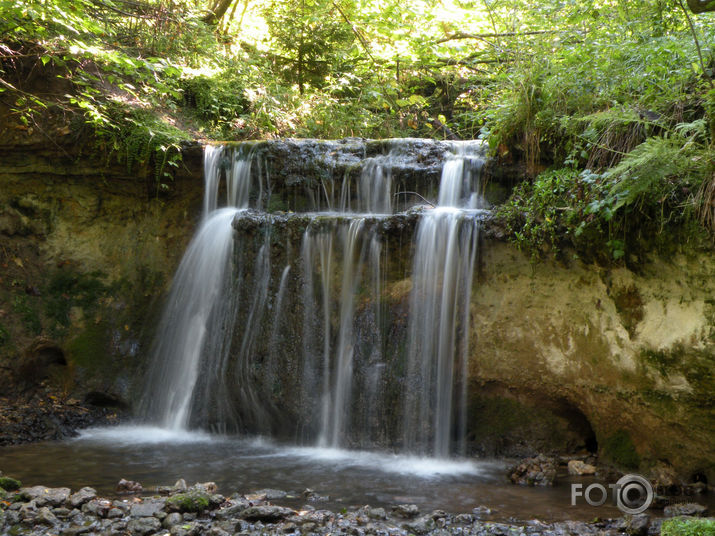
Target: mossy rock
x=619 y=449
x=9 y=484
x=681 y=526
x=192 y=501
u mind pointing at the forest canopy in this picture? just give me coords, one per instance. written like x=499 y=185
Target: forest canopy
x=609 y=106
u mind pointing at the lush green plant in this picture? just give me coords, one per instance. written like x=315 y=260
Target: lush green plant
x=681 y=526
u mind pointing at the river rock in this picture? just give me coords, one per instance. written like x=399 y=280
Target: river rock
x=115 y=513
x=421 y=525
x=638 y=524
x=205 y=487
x=266 y=513
x=174 y=518
x=377 y=513
x=45 y=496
x=97 y=507
x=686 y=509
x=578 y=467
x=481 y=511
x=144 y=525
x=147 y=508
x=129 y=486
x=9 y=484
x=62 y=512
x=233 y=509
x=664 y=477
x=82 y=496
x=310 y=495
x=45 y=517
x=268 y=494
x=537 y=471
x=28 y=511
x=191 y=501
x=405 y=511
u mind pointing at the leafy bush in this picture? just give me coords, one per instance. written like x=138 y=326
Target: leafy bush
x=218 y=100
x=681 y=526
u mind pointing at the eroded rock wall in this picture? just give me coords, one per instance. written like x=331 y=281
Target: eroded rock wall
x=86 y=251
x=633 y=352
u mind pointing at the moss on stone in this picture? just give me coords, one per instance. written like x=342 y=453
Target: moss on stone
x=192 y=501
x=9 y=484
x=89 y=347
x=67 y=288
x=619 y=449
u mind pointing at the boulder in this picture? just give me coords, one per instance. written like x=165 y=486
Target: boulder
x=579 y=468
x=266 y=513
x=536 y=471
x=82 y=496
x=45 y=496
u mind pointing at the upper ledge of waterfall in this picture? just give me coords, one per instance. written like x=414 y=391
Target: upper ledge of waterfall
x=351 y=175
x=249 y=220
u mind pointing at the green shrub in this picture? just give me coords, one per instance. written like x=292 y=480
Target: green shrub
x=681 y=526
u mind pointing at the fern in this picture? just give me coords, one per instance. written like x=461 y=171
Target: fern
x=657 y=167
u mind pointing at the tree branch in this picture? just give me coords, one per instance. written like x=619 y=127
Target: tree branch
x=462 y=35
x=695 y=38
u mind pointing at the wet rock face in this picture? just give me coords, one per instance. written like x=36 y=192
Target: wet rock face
x=302 y=171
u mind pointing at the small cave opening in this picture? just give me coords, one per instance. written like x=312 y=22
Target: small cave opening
x=519 y=422
x=38 y=359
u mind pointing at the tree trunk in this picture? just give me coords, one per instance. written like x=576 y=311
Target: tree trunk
x=216 y=14
x=701 y=6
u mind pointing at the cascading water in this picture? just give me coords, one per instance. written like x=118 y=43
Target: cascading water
x=199 y=311
x=445 y=251
x=228 y=359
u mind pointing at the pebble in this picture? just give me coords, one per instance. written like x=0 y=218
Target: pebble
x=41 y=510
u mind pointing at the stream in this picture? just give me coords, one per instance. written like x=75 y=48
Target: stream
x=157 y=457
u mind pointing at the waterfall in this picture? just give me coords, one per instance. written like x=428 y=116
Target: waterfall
x=445 y=251
x=200 y=308
x=277 y=322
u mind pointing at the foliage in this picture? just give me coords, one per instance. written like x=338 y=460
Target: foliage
x=682 y=526
x=654 y=186
x=622 y=89
x=311 y=39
